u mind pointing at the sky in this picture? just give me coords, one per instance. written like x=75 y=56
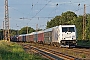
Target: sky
x=32 y=12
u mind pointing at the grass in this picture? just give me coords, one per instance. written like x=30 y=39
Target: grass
x=13 y=51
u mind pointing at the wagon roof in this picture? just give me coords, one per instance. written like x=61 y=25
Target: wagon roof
x=50 y=29
x=22 y=35
x=40 y=32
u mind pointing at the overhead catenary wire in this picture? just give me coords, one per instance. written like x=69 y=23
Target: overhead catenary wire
x=62 y=3
x=57 y=4
x=41 y=9
x=36 y=15
x=33 y=5
x=81 y=8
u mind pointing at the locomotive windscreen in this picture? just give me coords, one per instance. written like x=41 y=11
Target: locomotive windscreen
x=68 y=29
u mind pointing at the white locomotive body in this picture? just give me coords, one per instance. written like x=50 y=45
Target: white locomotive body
x=65 y=35
x=68 y=35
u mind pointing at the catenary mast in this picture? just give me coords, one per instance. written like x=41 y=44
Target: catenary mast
x=84 y=23
x=7 y=37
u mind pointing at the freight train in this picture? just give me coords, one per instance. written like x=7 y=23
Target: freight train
x=62 y=35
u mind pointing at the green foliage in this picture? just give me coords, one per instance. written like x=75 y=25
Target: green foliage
x=79 y=26
x=13 y=51
x=1 y=34
x=24 y=30
x=68 y=17
x=65 y=18
x=88 y=26
x=13 y=32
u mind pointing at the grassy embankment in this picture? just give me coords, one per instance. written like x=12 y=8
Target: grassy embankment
x=83 y=43
x=13 y=51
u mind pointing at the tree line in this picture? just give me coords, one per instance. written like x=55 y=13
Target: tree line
x=66 y=18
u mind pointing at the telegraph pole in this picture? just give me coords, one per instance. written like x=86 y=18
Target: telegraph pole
x=27 y=28
x=36 y=27
x=84 y=23
x=7 y=36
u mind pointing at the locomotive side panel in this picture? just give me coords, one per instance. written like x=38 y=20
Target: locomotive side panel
x=55 y=35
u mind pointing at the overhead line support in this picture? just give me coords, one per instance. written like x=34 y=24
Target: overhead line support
x=7 y=36
x=84 y=23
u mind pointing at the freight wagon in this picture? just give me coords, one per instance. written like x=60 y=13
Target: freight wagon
x=40 y=37
x=48 y=36
x=29 y=37
x=22 y=38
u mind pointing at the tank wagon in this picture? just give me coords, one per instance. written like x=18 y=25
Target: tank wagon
x=62 y=35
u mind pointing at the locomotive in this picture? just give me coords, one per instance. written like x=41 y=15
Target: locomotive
x=62 y=35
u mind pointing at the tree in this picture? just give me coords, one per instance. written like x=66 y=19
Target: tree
x=1 y=34
x=24 y=30
x=65 y=18
x=79 y=27
x=88 y=26
x=68 y=17
x=13 y=32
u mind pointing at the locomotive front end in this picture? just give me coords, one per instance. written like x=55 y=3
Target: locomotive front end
x=68 y=37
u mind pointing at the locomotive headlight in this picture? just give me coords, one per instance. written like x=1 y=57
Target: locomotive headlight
x=74 y=41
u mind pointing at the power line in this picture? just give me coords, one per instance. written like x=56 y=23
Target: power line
x=33 y=5
x=41 y=9
x=81 y=8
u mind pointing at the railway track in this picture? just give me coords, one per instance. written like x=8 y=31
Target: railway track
x=51 y=54
x=81 y=53
x=85 y=51
x=37 y=50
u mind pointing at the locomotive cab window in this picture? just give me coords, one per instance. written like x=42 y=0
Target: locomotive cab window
x=68 y=29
